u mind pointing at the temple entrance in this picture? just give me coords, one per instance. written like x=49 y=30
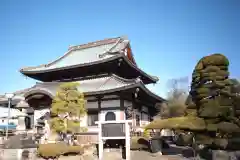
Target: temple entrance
x=110 y=116
x=27 y=121
x=40 y=103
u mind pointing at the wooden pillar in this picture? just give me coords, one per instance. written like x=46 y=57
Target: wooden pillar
x=100 y=141
x=99 y=108
x=134 y=113
x=122 y=109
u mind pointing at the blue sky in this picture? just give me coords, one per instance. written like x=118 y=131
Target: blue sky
x=168 y=37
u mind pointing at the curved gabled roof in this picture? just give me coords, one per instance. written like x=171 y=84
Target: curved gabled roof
x=81 y=54
x=89 y=54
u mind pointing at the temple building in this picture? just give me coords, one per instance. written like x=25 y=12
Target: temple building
x=109 y=77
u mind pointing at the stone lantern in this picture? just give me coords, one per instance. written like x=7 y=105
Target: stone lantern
x=22 y=106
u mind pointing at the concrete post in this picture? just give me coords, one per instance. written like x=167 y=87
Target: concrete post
x=100 y=143
x=127 y=140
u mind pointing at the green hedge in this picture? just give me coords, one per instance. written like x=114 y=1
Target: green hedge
x=138 y=143
x=54 y=150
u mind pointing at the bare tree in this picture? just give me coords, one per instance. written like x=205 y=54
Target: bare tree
x=178 y=89
x=175 y=105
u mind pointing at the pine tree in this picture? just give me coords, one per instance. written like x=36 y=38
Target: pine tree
x=67 y=107
x=212 y=113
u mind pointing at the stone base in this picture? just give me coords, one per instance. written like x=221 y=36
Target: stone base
x=224 y=155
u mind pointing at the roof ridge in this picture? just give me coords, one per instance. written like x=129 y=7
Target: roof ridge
x=94 y=43
x=83 y=46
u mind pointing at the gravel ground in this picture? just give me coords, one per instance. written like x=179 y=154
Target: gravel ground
x=141 y=155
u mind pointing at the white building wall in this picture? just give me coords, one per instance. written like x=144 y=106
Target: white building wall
x=120 y=115
x=108 y=104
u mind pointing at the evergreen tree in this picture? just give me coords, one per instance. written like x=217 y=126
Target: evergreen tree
x=67 y=107
x=212 y=115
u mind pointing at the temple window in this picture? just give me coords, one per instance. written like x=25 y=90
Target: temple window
x=28 y=122
x=110 y=116
x=92 y=118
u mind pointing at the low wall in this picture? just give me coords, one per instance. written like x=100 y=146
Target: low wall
x=16 y=154
x=87 y=139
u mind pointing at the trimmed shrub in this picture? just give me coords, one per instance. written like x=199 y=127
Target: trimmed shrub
x=190 y=123
x=139 y=143
x=74 y=150
x=52 y=150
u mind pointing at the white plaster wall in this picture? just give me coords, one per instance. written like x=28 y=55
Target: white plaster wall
x=117 y=113
x=104 y=104
x=112 y=103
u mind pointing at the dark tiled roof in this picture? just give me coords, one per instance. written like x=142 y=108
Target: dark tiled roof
x=89 y=54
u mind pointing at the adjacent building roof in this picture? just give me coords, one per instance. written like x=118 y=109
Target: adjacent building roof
x=90 y=54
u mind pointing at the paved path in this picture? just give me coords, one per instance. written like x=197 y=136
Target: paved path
x=140 y=155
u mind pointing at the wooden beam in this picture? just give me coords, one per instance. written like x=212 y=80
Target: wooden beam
x=122 y=107
x=103 y=99
x=111 y=108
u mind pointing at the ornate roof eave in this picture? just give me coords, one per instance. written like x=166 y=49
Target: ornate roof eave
x=118 y=56
x=138 y=84
x=132 y=83
x=153 y=78
x=134 y=61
